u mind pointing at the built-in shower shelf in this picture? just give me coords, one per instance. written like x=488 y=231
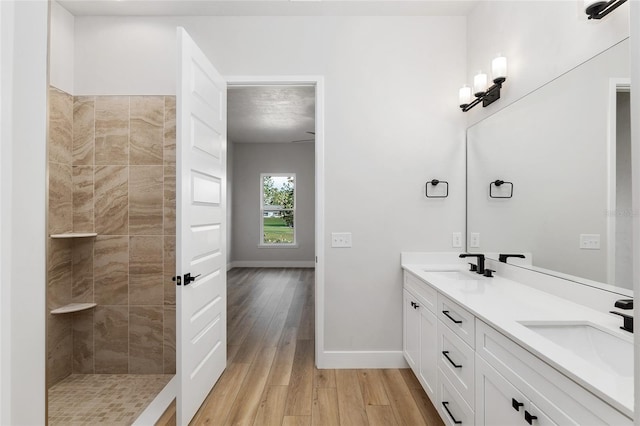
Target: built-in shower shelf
x=73 y=307
x=75 y=235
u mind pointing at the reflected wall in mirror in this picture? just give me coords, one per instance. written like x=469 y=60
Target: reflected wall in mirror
x=566 y=149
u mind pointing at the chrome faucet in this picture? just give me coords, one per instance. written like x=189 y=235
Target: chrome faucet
x=480 y=266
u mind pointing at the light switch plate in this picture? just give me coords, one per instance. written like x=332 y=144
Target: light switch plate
x=341 y=239
x=456 y=240
x=589 y=241
x=474 y=240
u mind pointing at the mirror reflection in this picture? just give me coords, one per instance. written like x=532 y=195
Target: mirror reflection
x=549 y=176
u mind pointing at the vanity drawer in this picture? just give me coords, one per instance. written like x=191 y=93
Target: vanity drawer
x=423 y=291
x=560 y=398
x=453 y=410
x=458 y=319
x=456 y=359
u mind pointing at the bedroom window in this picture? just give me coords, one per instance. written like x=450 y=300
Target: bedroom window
x=278 y=209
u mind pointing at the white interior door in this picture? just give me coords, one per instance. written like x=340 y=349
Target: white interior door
x=201 y=303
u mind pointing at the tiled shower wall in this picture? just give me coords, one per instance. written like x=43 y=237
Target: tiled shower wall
x=112 y=171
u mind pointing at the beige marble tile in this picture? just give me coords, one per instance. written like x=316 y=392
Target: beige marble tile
x=60 y=126
x=59 y=348
x=83 y=198
x=111 y=336
x=169 y=200
x=145 y=339
x=145 y=270
x=170 y=130
x=60 y=198
x=147 y=129
x=82 y=282
x=111 y=270
x=112 y=200
x=83 y=353
x=169 y=351
x=145 y=200
x=112 y=130
x=84 y=130
x=169 y=254
x=59 y=273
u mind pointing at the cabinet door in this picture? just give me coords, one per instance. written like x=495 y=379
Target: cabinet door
x=428 y=351
x=499 y=403
x=411 y=331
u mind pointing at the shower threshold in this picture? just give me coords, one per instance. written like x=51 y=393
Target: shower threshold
x=113 y=399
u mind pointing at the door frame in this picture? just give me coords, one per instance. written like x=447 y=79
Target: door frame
x=615 y=85
x=318 y=82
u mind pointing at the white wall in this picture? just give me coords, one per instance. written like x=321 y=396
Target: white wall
x=541 y=40
x=250 y=160
x=62 y=46
x=23 y=206
x=391 y=124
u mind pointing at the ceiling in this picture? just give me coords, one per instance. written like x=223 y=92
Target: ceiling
x=270 y=114
x=269 y=7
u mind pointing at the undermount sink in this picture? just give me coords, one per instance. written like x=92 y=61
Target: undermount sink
x=453 y=275
x=590 y=342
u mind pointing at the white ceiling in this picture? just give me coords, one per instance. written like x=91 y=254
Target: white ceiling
x=269 y=7
x=270 y=114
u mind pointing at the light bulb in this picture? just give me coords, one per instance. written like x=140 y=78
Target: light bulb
x=499 y=68
x=479 y=83
x=465 y=95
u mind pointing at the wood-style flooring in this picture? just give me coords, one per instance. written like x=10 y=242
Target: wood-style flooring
x=271 y=378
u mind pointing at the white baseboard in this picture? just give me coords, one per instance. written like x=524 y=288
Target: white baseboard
x=272 y=264
x=362 y=359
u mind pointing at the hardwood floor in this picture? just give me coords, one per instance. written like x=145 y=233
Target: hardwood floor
x=271 y=378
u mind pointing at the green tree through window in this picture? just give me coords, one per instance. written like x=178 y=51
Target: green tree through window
x=278 y=209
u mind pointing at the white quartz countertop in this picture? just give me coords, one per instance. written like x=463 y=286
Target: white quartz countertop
x=504 y=304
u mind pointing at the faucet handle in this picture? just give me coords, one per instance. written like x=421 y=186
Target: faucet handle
x=625 y=304
x=627 y=321
x=473 y=267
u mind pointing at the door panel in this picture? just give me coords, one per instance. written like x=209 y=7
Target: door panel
x=201 y=228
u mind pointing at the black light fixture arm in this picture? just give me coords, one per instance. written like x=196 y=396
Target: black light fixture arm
x=487 y=97
x=600 y=9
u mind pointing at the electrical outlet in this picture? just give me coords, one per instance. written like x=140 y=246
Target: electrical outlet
x=474 y=240
x=456 y=240
x=589 y=241
x=341 y=239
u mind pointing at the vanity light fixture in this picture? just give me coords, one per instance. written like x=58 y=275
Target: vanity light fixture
x=598 y=9
x=480 y=82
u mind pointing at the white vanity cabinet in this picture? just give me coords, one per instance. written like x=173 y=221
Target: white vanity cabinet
x=474 y=375
x=499 y=403
x=506 y=371
x=411 y=331
x=420 y=338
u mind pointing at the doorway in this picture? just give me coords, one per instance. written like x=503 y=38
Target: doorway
x=620 y=209
x=309 y=137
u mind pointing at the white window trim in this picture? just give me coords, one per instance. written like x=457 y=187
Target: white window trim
x=261 y=243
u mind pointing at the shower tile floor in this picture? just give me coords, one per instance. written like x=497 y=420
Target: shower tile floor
x=108 y=399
